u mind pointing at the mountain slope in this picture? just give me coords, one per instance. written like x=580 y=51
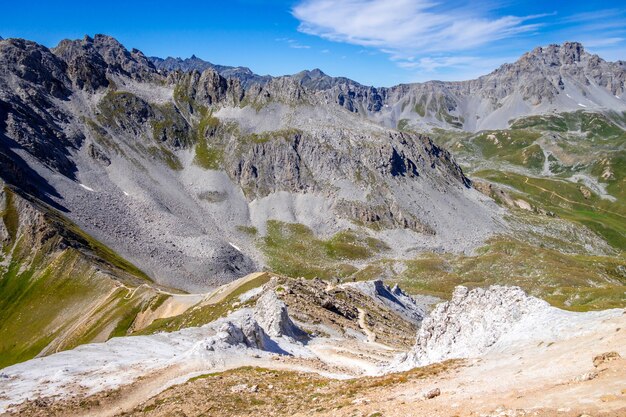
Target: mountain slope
x=174 y=171
x=59 y=283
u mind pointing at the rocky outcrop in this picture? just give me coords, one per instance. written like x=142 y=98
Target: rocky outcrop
x=29 y=114
x=90 y=60
x=393 y=298
x=206 y=88
x=470 y=323
x=271 y=314
x=257 y=329
x=247 y=333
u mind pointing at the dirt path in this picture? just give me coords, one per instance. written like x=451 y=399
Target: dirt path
x=371 y=336
x=571 y=201
x=224 y=291
x=144 y=389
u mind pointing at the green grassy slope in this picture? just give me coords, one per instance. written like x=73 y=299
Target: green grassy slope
x=59 y=287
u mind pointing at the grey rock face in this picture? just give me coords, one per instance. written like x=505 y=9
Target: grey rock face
x=392 y=298
x=208 y=87
x=247 y=333
x=271 y=314
x=245 y=76
x=90 y=59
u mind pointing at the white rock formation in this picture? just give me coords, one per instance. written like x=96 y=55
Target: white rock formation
x=271 y=314
x=479 y=321
x=247 y=333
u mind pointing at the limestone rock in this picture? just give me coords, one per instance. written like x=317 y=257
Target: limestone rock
x=246 y=333
x=605 y=357
x=271 y=314
x=470 y=323
x=435 y=392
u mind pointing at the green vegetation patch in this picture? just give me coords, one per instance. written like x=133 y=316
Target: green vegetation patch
x=35 y=296
x=263 y=137
x=403 y=124
x=292 y=249
x=208 y=155
x=611 y=170
x=570 y=281
x=565 y=199
x=592 y=124
x=165 y=155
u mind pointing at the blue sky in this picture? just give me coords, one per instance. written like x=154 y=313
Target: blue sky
x=376 y=42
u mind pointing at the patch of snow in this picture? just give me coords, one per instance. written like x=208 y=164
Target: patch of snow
x=125 y=193
x=568 y=95
x=87 y=188
x=581 y=105
x=235 y=247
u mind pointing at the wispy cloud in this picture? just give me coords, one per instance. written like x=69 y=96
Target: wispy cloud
x=292 y=43
x=452 y=68
x=454 y=38
x=604 y=14
x=406 y=26
x=602 y=42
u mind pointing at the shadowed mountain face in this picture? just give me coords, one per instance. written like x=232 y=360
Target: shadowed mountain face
x=180 y=172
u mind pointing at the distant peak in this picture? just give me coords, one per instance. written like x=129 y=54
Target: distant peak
x=577 y=45
x=316 y=72
x=568 y=52
x=193 y=56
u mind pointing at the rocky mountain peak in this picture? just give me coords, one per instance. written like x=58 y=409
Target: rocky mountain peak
x=34 y=63
x=315 y=73
x=557 y=55
x=90 y=59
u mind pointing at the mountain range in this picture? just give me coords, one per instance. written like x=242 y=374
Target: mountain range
x=129 y=180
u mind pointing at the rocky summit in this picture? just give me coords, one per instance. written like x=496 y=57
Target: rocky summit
x=308 y=245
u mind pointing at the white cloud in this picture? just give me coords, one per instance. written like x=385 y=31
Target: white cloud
x=597 y=43
x=452 y=68
x=292 y=43
x=405 y=27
